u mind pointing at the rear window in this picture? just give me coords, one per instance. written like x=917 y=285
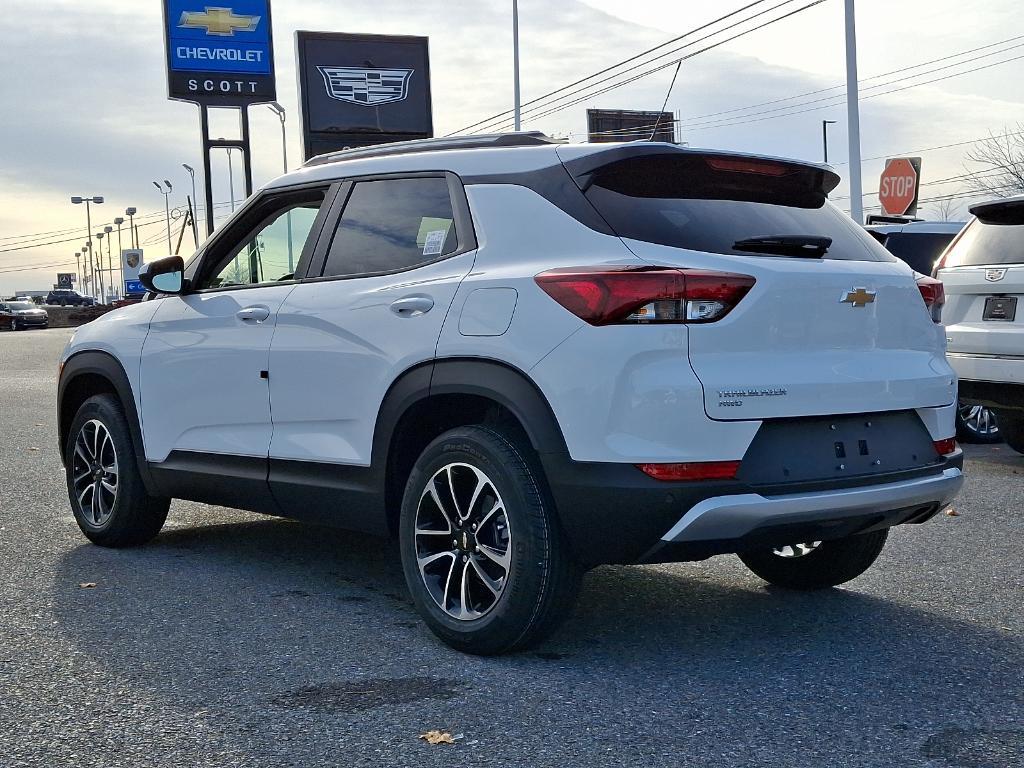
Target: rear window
x=684 y=202
x=984 y=243
x=919 y=249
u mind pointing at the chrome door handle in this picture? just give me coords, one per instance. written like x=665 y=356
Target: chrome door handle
x=412 y=306
x=253 y=314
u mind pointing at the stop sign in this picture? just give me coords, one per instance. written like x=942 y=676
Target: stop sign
x=897 y=189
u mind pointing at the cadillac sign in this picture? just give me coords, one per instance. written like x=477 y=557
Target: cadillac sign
x=220 y=55
x=356 y=90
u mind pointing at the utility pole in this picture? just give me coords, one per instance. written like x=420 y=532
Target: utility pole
x=853 y=115
x=515 y=61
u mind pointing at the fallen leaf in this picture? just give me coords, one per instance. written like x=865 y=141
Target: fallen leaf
x=437 y=737
x=33 y=449
x=87 y=585
x=951 y=511
x=39 y=425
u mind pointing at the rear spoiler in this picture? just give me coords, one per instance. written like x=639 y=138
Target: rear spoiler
x=683 y=172
x=1009 y=211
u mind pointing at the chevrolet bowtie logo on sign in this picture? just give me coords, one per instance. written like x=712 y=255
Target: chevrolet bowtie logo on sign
x=366 y=87
x=218 y=21
x=858 y=297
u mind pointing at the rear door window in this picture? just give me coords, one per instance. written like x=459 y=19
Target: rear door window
x=389 y=225
x=681 y=200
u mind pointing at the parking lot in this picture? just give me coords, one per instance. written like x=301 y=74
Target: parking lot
x=240 y=640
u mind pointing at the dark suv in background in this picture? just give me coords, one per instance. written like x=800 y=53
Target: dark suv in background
x=66 y=297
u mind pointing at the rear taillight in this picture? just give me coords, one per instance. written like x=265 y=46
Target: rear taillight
x=696 y=470
x=934 y=296
x=945 y=447
x=627 y=295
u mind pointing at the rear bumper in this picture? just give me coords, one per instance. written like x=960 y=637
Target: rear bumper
x=613 y=513
x=751 y=521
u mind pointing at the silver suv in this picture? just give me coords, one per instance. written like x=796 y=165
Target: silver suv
x=983 y=273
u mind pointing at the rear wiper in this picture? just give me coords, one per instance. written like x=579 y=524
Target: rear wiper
x=807 y=246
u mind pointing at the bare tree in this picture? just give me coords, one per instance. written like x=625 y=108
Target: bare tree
x=996 y=163
x=946 y=210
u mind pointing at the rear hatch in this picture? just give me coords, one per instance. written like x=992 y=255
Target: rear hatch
x=833 y=324
x=983 y=273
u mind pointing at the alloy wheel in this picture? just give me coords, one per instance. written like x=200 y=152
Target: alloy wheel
x=463 y=541
x=94 y=472
x=978 y=420
x=797 y=550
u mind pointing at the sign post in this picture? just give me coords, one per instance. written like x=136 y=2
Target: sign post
x=131 y=262
x=899 y=186
x=65 y=279
x=357 y=90
x=220 y=57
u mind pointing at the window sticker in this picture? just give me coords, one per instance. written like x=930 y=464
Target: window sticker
x=434 y=242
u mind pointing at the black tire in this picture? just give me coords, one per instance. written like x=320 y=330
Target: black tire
x=134 y=517
x=831 y=563
x=538 y=588
x=1011 y=426
x=15 y=325
x=977 y=424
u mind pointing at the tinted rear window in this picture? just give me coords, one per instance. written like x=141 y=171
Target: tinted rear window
x=984 y=244
x=680 y=201
x=919 y=249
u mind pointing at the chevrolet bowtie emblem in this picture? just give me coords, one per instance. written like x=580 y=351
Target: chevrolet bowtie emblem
x=218 y=21
x=858 y=297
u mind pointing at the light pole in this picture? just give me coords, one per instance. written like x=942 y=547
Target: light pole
x=167 y=208
x=278 y=110
x=87 y=278
x=76 y=200
x=110 y=260
x=78 y=269
x=853 y=116
x=824 y=136
x=120 y=251
x=195 y=203
x=130 y=213
x=515 y=61
x=231 y=173
x=99 y=263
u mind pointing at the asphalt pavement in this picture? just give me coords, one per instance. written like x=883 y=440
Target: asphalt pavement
x=240 y=640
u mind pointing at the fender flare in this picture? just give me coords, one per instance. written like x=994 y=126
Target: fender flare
x=506 y=385
x=105 y=365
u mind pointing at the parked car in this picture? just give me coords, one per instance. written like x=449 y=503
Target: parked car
x=524 y=359
x=19 y=315
x=920 y=244
x=67 y=297
x=983 y=272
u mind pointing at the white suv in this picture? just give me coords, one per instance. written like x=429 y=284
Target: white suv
x=524 y=359
x=983 y=271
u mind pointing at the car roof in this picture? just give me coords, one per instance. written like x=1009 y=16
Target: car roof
x=920 y=227
x=496 y=154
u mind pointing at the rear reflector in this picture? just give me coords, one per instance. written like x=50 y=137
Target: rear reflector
x=934 y=295
x=702 y=470
x=617 y=295
x=945 y=447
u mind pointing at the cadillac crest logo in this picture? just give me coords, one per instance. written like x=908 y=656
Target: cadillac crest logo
x=366 y=87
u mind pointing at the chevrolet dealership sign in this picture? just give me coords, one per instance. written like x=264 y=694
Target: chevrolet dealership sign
x=221 y=55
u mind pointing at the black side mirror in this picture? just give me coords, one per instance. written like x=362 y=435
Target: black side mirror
x=165 y=275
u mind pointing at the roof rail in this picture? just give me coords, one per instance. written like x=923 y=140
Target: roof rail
x=481 y=141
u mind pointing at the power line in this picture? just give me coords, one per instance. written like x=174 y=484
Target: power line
x=668 y=64
x=912 y=152
x=77 y=238
x=507 y=112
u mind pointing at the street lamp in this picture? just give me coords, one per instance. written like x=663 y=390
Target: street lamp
x=130 y=213
x=76 y=200
x=110 y=260
x=78 y=268
x=120 y=258
x=278 y=110
x=515 y=64
x=99 y=263
x=195 y=203
x=167 y=208
x=824 y=136
x=231 y=172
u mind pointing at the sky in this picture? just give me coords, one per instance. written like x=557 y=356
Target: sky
x=87 y=114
